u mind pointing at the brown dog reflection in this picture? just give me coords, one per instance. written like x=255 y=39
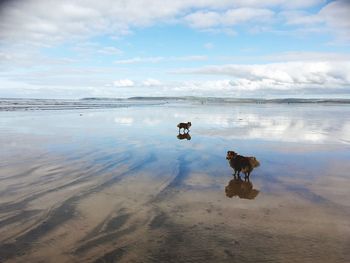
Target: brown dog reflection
x=182 y=136
x=240 y=188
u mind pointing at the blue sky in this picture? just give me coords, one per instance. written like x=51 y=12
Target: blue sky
x=75 y=49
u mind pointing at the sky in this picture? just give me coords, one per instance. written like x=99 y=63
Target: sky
x=221 y=48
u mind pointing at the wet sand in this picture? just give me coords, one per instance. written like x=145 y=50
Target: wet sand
x=117 y=185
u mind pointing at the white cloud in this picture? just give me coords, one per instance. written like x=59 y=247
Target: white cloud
x=110 y=51
x=49 y=22
x=301 y=18
x=151 y=82
x=123 y=83
x=188 y=58
x=288 y=75
x=333 y=19
x=19 y=57
x=203 y=19
x=139 y=60
x=336 y=16
x=209 y=85
x=87 y=48
x=301 y=3
x=221 y=30
x=229 y=87
x=307 y=56
x=208 y=45
x=61 y=75
x=210 y=19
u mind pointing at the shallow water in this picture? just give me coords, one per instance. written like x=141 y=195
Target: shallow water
x=117 y=185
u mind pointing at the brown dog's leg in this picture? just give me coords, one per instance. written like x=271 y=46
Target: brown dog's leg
x=246 y=177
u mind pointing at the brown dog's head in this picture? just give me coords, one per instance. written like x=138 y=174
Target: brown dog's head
x=189 y=124
x=230 y=155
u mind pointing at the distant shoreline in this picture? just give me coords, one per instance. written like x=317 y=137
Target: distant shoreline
x=17 y=104
x=227 y=100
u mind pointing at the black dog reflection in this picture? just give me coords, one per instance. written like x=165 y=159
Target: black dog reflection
x=182 y=136
x=240 y=188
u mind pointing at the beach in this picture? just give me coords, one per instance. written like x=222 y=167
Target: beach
x=115 y=183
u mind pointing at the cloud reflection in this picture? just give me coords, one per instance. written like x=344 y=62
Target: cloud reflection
x=302 y=125
x=124 y=120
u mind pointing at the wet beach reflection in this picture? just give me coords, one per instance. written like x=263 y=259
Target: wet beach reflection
x=117 y=186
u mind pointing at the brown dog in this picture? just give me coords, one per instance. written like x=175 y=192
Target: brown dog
x=185 y=126
x=241 y=163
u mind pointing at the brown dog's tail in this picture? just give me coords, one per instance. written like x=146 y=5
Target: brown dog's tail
x=254 y=162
